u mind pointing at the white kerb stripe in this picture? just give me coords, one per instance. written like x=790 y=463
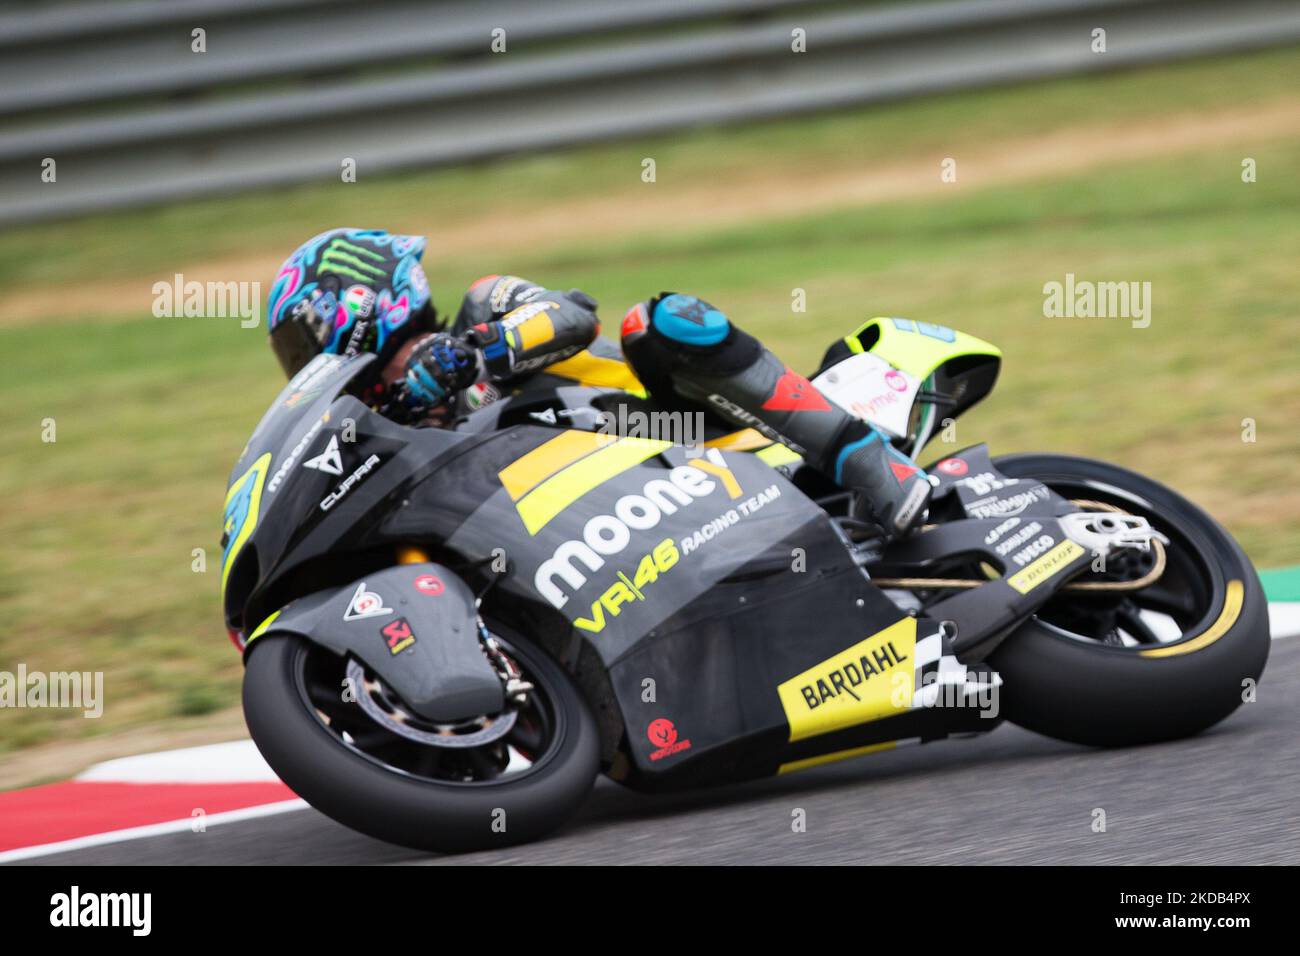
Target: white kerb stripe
x=234 y=762
x=1284 y=618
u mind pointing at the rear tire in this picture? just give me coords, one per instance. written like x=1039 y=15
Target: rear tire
x=1093 y=693
x=444 y=816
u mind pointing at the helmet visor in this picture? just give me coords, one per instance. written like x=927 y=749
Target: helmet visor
x=294 y=345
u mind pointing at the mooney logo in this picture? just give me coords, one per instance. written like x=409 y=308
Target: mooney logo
x=606 y=535
x=298 y=449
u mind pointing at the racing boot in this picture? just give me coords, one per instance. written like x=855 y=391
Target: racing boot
x=681 y=345
x=895 y=492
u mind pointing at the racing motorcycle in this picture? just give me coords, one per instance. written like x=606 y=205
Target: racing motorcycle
x=448 y=633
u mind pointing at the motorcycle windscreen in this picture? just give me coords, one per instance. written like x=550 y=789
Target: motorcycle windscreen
x=288 y=425
x=318 y=383
x=868 y=387
x=903 y=376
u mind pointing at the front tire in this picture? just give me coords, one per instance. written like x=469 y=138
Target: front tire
x=1108 y=688
x=359 y=772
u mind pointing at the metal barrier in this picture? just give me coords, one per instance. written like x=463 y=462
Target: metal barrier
x=289 y=89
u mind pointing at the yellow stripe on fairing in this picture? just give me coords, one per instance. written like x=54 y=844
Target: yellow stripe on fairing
x=833 y=757
x=263 y=627
x=1232 y=602
x=747 y=439
x=526 y=473
x=777 y=455
x=557 y=493
x=588 y=368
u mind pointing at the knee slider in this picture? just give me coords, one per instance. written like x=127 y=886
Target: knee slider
x=687 y=320
x=698 y=337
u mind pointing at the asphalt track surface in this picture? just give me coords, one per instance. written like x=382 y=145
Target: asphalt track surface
x=1228 y=796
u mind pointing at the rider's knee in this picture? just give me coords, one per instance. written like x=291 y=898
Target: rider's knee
x=688 y=335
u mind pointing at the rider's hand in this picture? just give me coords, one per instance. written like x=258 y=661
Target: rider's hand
x=548 y=327
x=439 y=366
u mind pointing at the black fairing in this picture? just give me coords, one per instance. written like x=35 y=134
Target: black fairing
x=765 y=596
x=293 y=529
x=420 y=632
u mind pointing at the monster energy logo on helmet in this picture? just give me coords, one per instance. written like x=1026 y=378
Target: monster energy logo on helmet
x=348 y=290
x=349 y=260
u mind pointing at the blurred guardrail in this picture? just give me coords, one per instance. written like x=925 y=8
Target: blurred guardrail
x=287 y=89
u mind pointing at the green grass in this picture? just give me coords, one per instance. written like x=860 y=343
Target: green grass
x=100 y=526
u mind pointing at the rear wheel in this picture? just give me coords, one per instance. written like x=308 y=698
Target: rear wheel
x=338 y=736
x=1130 y=667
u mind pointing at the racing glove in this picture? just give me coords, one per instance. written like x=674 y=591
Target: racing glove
x=520 y=326
x=439 y=367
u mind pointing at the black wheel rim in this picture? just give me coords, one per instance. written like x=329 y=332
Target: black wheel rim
x=532 y=740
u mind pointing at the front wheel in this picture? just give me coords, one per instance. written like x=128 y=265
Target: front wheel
x=1131 y=667
x=343 y=742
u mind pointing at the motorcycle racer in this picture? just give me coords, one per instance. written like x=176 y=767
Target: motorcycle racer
x=348 y=291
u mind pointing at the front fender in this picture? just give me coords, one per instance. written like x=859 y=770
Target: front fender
x=415 y=625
